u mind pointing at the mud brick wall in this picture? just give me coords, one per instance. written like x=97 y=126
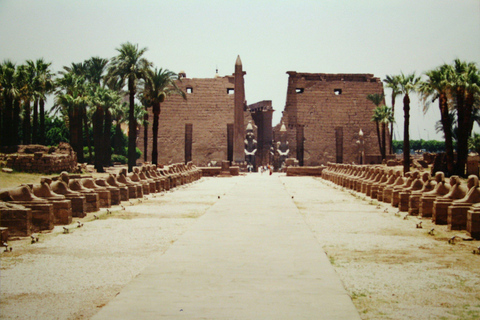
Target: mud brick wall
x=326 y=107
x=208 y=108
x=40 y=162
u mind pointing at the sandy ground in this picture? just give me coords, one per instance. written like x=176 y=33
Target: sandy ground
x=391 y=269
x=70 y=276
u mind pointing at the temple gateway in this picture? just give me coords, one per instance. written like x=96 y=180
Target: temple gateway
x=326 y=119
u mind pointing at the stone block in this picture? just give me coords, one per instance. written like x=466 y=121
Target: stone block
x=17 y=218
x=457 y=216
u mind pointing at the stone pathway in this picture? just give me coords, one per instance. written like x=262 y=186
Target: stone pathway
x=251 y=256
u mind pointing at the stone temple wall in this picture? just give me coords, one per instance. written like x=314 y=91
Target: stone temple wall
x=326 y=112
x=208 y=109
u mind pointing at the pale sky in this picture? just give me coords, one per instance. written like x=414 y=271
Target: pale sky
x=272 y=37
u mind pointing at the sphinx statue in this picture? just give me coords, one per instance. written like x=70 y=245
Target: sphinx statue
x=458 y=210
x=440 y=205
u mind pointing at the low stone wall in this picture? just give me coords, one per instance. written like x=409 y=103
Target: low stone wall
x=41 y=159
x=215 y=171
x=305 y=171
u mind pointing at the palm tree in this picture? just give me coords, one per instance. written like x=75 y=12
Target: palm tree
x=377 y=99
x=407 y=84
x=9 y=93
x=392 y=83
x=71 y=96
x=46 y=85
x=159 y=84
x=465 y=84
x=437 y=86
x=130 y=66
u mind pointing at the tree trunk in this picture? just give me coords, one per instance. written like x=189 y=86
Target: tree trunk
x=406 y=134
x=7 y=121
x=378 y=137
x=447 y=131
x=107 y=141
x=27 y=127
x=391 y=125
x=132 y=127
x=87 y=135
x=73 y=132
x=462 y=137
x=41 y=134
x=16 y=122
x=384 y=146
x=97 y=139
x=156 y=114
x=117 y=139
x=145 y=136
x=35 y=122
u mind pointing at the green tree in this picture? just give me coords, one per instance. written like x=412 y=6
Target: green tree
x=377 y=99
x=71 y=98
x=392 y=83
x=159 y=84
x=10 y=91
x=407 y=85
x=130 y=66
x=437 y=86
x=465 y=85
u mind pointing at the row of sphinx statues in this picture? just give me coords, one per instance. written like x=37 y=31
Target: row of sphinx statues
x=54 y=201
x=451 y=203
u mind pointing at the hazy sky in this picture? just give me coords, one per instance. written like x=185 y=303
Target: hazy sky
x=272 y=37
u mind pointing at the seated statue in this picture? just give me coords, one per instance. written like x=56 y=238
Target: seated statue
x=250 y=145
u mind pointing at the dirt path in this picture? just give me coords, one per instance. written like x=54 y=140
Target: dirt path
x=391 y=269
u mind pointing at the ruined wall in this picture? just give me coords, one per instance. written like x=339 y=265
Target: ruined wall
x=208 y=109
x=327 y=111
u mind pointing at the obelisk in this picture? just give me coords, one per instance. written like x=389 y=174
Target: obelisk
x=238 y=115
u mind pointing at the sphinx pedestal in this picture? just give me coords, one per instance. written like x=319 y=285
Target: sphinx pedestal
x=440 y=211
x=16 y=218
x=404 y=198
x=473 y=222
x=426 y=206
x=457 y=216
x=42 y=214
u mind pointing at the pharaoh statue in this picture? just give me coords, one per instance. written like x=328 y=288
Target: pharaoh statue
x=282 y=145
x=250 y=145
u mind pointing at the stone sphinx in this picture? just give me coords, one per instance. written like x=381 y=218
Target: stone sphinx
x=404 y=196
x=427 y=199
x=104 y=196
x=78 y=201
x=399 y=188
x=415 y=196
x=42 y=216
x=93 y=200
x=135 y=189
x=440 y=205
x=62 y=207
x=152 y=187
x=390 y=180
x=457 y=211
x=376 y=184
x=388 y=192
x=112 y=181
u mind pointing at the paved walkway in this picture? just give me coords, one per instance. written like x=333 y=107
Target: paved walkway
x=250 y=256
